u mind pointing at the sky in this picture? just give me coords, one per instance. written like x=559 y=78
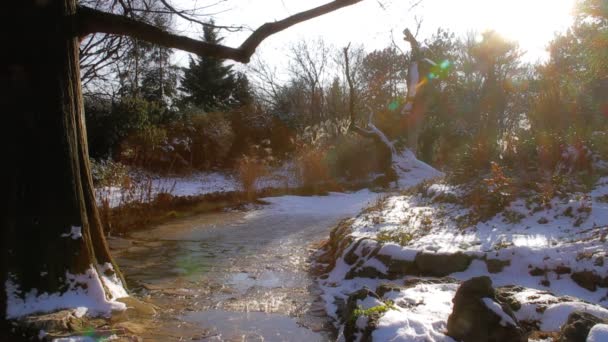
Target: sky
x=375 y=23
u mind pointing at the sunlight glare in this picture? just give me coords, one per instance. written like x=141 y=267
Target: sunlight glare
x=532 y=23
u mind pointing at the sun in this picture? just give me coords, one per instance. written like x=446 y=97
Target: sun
x=532 y=23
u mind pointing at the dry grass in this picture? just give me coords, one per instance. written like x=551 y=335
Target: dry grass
x=249 y=171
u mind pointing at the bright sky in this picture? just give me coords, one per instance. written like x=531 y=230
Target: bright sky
x=530 y=22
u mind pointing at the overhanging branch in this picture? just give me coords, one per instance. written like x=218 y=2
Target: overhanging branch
x=93 y=21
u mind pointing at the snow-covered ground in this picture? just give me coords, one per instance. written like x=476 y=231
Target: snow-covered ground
x=85 y=294
x=555 y=253
x=199 y=183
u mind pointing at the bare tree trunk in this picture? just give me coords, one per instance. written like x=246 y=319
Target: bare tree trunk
x=51 y=238
x=51 y=226
x=413 y=110
x=385 y=146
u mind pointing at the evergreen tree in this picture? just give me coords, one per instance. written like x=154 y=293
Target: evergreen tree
x=211 y=85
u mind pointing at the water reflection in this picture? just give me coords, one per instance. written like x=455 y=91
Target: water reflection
x=230 y=276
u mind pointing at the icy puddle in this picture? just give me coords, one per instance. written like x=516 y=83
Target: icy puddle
x=236 y=276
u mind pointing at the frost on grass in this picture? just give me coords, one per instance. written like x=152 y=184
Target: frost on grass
x=85 y=293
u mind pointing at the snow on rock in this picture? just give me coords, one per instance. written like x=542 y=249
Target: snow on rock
x=557 y=314
x=85 y=293
x=497 y=309
x=599 y=333
x=556 y=253
x=422 y=314
x=411 y=171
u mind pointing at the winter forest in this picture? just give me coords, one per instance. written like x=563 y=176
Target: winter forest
x=346 y=170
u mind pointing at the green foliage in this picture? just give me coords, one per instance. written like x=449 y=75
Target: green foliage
x=212 y=137
x=397 y=236
x=211 y=85
x=373 y=311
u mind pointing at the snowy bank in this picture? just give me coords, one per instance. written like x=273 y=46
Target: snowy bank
x=553 y=254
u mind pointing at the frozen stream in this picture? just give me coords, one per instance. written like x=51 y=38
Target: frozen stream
x=237 y=276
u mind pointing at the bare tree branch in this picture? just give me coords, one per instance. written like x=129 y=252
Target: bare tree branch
x=183 y=15
x=91 y=21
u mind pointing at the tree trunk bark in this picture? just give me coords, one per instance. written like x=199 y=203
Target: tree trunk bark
x=51 y=226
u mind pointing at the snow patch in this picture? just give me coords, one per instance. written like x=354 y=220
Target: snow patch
x=599 y=333
x=75 y=233
x=557 y=314
x=112 y=282
x=85 y=291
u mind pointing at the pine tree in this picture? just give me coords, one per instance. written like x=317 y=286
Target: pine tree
x=207 y=82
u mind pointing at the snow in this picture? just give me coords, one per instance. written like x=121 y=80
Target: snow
x=335 y=203
x=568 y=233
x=421 y=314
x=397 y=252
x=412 y=171
x=80 y=311
x=193 y=185
x=599 y=333
x=75 y=233
x=200 y=183
x=85 y=292
x=497 y=309
x=557 y=314
x=369 y=302
x=113 y=285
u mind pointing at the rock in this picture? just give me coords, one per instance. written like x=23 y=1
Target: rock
x=383 y=289
x=577 y=326
x=496 y=265
x=563 y=270
x=599 y=261
x=537 y=272
x=441 y=264
x=397 y=268
x=351 y=256
x=506 y=294
x=358 y=328
x=543 y=220
x=472 y=320
x=364 y=272
x=587 y=280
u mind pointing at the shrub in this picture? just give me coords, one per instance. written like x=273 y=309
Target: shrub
x=249 y=170
x=397 y=236
x=492 y=195
x=313 y=171
x=212 y=138
x=106 y=173
x=352 y=157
